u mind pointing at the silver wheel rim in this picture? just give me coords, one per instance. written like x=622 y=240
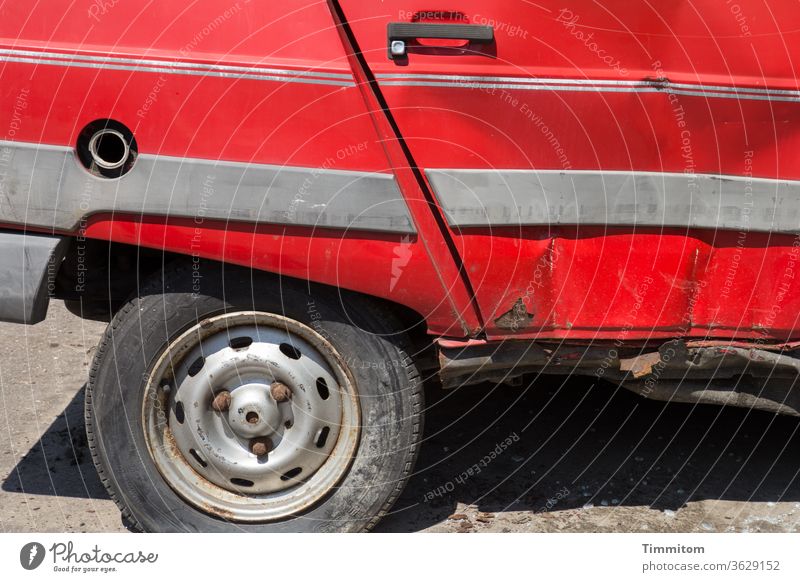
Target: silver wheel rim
x=213 y=455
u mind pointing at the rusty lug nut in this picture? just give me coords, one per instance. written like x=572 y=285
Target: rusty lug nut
x=222 y=401
x=260 y=446
x=280 y=392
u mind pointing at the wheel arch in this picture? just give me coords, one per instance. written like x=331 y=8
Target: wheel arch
x=96 y=277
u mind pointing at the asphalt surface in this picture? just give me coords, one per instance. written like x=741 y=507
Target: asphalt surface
x=555 y=455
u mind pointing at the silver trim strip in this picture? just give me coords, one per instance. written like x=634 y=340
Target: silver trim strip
x=175 y=67
x=565 y=81
x=572 y=88
x=182 y=64
x=599 y=85
x=496 y=198
x=46 y=186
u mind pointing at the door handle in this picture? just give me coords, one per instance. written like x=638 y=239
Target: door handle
x=400 y=33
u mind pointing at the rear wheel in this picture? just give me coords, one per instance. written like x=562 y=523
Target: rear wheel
x=252 y=405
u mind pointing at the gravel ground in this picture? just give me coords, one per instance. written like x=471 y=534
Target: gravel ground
x=554 y=455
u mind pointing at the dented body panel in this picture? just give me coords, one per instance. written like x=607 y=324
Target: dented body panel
x=610 y=171
x=636 y=287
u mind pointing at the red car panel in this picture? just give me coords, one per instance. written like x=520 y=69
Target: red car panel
x=675 y=89
x=255 y=83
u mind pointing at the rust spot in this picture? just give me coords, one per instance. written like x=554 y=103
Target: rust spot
x=260 y=446
x=640 y=365
x=170 y=446
x=280 y=392
x=659 y=82
x=515 y=318
x=458 y=516
x=222 y=401
x=225 y=514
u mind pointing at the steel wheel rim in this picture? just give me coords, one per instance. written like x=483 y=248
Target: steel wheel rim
x=209 y=457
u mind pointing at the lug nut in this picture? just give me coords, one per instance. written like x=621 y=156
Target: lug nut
x=260 y=446
x=280 y=392
x=222 y=401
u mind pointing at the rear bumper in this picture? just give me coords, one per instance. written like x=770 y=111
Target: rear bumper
x=28 y=266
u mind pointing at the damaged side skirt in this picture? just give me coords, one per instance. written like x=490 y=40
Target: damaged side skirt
x=757 y=377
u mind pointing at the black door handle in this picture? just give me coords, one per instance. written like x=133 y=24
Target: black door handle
x=399 y=33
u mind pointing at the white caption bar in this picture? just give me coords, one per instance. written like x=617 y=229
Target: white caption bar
x=401 y=557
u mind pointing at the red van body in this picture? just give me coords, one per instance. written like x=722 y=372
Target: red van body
x=606 y=188
x=641 y=106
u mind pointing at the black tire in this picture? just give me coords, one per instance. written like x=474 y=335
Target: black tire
x=360 y=329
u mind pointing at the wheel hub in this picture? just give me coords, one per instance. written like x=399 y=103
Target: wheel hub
x=258 y=417
x=253 y=412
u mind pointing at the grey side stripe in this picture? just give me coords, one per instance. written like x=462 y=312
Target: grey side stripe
x=476 y=198
x=46 y=186
x=589 y=85
x=175 y=67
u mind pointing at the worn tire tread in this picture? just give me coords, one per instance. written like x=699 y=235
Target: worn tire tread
x=156 y=285
x=105 y=342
